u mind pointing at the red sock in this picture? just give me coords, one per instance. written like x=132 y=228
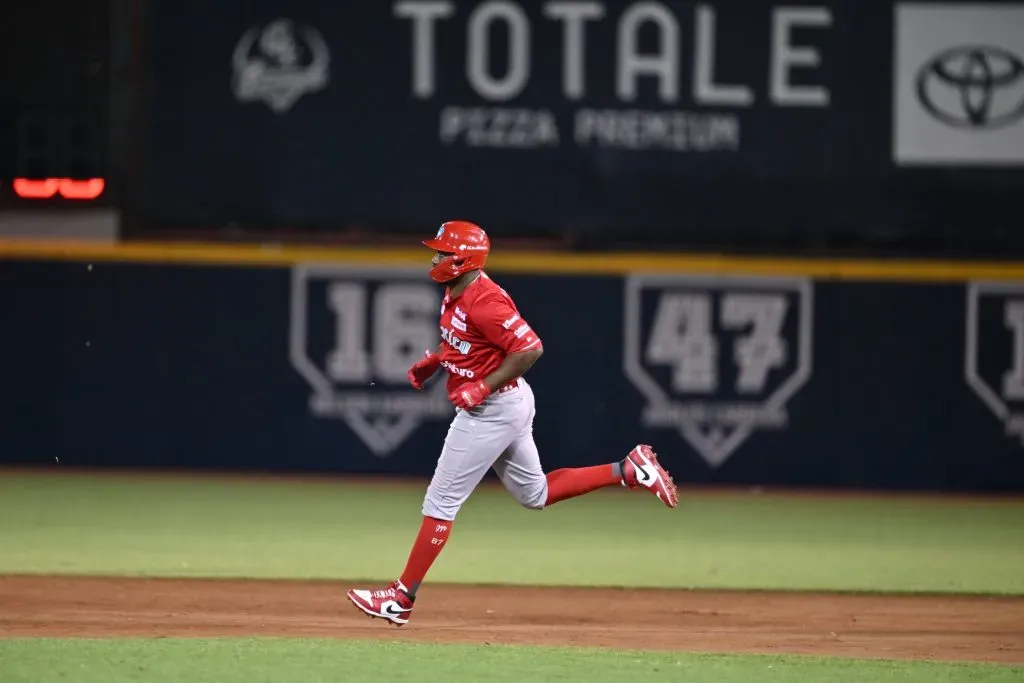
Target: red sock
x=572 y=482
x=429 y=542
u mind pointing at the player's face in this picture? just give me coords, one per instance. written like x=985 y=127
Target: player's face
x=439 y=256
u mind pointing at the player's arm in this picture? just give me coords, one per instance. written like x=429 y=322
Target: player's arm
x=504 y=328
x=515 y=365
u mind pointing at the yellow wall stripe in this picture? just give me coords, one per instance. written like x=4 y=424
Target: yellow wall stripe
x=513 y=261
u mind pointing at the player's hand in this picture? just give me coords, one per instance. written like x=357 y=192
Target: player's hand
x=424 y=369
x=470 y=395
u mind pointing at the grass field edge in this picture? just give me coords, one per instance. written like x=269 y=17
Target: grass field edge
x=784 y=658
x=343 y=582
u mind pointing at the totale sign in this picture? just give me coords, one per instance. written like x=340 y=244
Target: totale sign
x=610 y=117
x=641 y=75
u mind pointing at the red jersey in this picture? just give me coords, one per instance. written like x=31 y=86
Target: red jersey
x=478 y=329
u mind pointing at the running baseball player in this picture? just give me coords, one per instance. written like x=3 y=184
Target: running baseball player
x=486 y=348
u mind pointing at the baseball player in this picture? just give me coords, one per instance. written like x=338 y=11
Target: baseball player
x=486 y=348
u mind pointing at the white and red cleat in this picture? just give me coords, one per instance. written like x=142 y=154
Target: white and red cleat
x=391 y=604
x=641 y=469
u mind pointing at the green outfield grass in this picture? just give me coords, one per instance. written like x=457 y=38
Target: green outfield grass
x=288 y=529
x=184 y=527
x=316 y=661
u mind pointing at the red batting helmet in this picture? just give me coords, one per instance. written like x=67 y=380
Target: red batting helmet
x=466 y=242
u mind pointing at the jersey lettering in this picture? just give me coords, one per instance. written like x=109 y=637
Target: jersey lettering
x=455 y=369
x=455 y=342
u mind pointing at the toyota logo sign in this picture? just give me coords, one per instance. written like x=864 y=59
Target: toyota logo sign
x=973 y=87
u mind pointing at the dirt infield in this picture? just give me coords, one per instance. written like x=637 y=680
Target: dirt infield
x=941 y=628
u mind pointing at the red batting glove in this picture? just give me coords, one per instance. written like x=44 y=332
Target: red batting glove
x=423 y=370
x=470 y=395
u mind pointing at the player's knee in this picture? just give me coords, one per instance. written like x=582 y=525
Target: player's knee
x=535 y=496
x=443 y=507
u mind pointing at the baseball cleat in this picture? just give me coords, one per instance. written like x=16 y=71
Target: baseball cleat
x=641 y=469
x=391 y=604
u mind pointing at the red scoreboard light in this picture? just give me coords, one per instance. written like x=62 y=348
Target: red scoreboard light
x=53 y=188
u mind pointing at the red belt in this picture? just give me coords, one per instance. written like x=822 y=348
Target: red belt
x=514 y=384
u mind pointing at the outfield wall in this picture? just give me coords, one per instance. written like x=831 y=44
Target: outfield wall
x=731 y=122
x=774 y=372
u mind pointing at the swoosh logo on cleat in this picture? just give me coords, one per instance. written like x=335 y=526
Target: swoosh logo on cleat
x=395 y=611
x=642 y=474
